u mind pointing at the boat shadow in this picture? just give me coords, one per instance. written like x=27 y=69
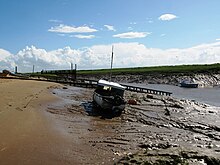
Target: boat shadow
x=93 y=110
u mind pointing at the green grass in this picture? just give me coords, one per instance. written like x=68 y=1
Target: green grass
x=157 y=69
x=42 y=75
x=178 y=69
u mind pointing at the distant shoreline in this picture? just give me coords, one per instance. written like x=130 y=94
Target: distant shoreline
x=170 y=69
x=203 y=79
x=204 y=75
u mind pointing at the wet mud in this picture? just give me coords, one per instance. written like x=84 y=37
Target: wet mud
x=157 y=130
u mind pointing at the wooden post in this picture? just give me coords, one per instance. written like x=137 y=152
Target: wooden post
x=75 y=71
x=16 y=69
x=71 y=66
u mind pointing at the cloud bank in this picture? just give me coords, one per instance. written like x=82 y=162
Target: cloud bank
x=125 y=55
x=109 y=27
x=84 y=36
x=71 y=29
x=167 y=17
x=131 y=35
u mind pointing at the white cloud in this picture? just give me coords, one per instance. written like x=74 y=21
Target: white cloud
x=218 y=39
x=110 y=28
x=84 y=36
x=55 y=21
x=62 y=35
x=130 y=35
x=71 y=29
x=42 y=59
x=130 y=28
x=4 y=54
x=125 y=55
x=6 y=60
x=167 y=17
x=133 y=23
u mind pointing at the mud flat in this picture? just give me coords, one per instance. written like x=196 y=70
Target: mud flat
x=158 y=130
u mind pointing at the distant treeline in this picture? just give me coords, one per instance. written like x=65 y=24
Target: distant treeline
x=205 y=68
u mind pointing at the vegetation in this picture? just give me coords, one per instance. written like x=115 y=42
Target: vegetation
x=178 y=69
x=158 y=69
x=53 y=73
x=39 y=74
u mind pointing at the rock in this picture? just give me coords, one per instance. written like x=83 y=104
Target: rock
x=132 y=102
x=167 y=112
x=211 y=160
x=150 y=96
x=217 y=150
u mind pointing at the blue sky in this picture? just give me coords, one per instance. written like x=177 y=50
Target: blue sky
x=83 y=30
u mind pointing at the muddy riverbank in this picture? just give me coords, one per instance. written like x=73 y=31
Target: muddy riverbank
x=203 y=79
x=156 y=130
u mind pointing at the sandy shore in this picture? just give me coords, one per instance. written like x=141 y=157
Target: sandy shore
x=48 y=123
x=27 y=134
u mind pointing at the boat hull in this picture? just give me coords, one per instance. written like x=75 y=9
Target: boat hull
x=107 y=103
x=189 y=85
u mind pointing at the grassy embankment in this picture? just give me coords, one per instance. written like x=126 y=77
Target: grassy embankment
x=178 y=69
x=185 y=69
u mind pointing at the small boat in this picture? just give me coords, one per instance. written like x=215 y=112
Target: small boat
x=188 y=84
x=109 y=96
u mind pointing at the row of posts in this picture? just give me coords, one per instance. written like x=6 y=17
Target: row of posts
x=16 y=68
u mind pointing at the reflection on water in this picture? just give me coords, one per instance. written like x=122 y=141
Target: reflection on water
x=206 y=95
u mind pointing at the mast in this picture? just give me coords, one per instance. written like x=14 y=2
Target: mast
x=111 y=63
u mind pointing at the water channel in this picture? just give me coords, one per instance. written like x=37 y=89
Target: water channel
x=205 y=95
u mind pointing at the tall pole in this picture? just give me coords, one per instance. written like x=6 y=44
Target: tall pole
x=33 y=68
x=111 y=64
x=71 y=66
x=75 y=71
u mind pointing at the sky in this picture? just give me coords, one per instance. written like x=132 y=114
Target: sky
x=52 y=34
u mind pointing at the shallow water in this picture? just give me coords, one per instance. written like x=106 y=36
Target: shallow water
x=206 y=95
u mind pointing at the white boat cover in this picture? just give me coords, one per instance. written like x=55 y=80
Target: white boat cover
x=111 y=84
